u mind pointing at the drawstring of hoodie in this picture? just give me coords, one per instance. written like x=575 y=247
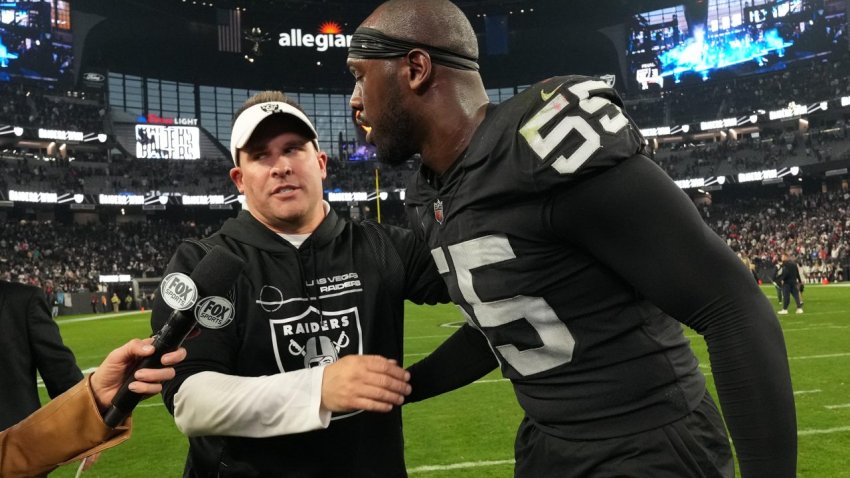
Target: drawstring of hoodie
x=318 y=294
x=312 y=301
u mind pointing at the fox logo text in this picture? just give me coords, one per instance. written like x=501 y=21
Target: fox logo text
x=214 y=312
x=178 y=291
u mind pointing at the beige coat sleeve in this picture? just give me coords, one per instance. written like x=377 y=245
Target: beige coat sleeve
x=67 y=429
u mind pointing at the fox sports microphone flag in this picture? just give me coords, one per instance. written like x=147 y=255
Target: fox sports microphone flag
x=213 y=277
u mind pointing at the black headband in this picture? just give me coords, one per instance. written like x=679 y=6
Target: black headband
x=371 y=44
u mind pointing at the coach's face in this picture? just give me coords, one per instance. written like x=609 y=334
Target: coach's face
x=280 y=173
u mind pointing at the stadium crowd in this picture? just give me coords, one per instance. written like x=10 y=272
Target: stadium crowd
x=95 y=173
x=35 y=106
x=814 y=228
x=772 y=149
x=73 y=256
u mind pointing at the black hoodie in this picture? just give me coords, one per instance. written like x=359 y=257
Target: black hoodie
x=342 y=292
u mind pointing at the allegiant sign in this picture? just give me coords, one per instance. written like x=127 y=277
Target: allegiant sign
x=330 y=36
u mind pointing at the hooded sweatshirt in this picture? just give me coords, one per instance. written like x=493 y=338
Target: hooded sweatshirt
x=297 y=309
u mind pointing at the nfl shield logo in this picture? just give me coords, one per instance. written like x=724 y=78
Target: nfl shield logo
x=438 y=211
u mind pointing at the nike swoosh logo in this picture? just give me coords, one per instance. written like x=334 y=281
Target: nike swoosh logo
x=545 y=96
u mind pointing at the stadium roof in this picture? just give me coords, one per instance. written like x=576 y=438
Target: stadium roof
x=176 y=39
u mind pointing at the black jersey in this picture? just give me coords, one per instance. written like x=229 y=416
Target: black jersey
x=551 y=232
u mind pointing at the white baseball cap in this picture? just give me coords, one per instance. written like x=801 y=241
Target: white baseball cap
x=248 y=120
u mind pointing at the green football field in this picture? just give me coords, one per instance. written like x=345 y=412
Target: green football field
x=469 y=433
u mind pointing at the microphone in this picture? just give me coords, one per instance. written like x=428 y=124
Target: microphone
x=213 y=277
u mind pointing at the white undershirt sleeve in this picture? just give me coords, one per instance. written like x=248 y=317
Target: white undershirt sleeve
x=212 y=403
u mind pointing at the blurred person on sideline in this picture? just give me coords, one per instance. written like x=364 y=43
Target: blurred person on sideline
x=116 y=302
x=303 y=379
x=576 y=260
x=791 y=282
x=70 y=427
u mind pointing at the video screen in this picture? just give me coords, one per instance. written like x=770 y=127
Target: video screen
x=35 y=41
x=167 y=142
x=710 y=39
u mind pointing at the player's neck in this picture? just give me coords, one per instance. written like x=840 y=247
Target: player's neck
x=451 y=138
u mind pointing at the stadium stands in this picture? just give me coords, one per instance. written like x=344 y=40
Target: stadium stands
x=37 y=246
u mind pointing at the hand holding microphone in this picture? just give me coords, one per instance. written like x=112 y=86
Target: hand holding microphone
x=213 y=277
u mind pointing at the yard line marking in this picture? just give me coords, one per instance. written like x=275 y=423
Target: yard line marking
x=801 y=357
x=818 y=328
x=427 y=337
x=417 y=355
x=457 y=466
x=807 y=357
x=493 y=380
x=802 y=392
x=833 y=407
x=823 y=431
x=97 y=317
x=40 y=382
x=147 y=405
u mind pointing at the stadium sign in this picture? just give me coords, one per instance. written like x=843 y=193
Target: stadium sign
x=60 y=135
x=121 y=200
x=167 y=142
x=29 y=196
x=757 y=176
x=189 y=200
x=154 y=119
x=665 y=130
x=718 y=124
x=660 y=131
x=714 y=182
x=111 y=278
x=354 y=196
x=94 y=77
x=792 y=110
x=330 y=36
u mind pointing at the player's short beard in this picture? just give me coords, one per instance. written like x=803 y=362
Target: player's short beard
x=395 y=131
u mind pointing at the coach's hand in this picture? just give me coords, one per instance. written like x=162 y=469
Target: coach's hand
x=364 y=382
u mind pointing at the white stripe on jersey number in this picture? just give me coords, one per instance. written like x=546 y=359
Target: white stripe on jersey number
x=558 y=342
x=544 y=145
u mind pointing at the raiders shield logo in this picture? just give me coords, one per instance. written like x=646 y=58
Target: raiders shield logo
x=312 y=339
x=271 y=108
x=438 y=211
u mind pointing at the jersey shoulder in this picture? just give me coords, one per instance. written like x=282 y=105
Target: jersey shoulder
x=569 y=126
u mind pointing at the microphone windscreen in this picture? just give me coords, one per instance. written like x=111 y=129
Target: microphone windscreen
x=216 y=272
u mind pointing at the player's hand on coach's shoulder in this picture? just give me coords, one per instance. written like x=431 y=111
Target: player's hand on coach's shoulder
x=364 y=382
x=110 y=375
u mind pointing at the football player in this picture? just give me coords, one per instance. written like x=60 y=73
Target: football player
x=575 y=260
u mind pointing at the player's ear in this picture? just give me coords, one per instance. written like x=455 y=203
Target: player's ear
x=419 y=68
